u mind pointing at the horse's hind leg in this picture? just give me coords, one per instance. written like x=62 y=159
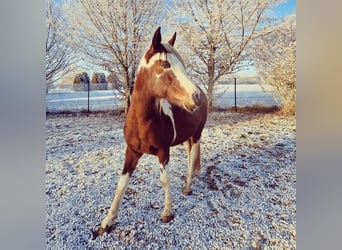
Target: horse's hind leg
x=131 y=161
x=193 y=151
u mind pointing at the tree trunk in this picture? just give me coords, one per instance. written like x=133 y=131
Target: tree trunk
x=128 y=91
x=210 y=94
x=127 y=101
x=211 y=72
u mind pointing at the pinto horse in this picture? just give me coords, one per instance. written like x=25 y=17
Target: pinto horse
x=167 y=109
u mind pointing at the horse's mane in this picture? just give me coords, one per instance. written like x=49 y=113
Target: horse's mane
x=170 y=49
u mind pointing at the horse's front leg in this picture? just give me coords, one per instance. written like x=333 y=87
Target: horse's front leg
x=163 y=156
x=131 y=161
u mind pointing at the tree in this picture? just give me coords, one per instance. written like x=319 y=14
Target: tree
x=59 y=56
x=112 y=34
x=81 y=82
x=275 y=55
x=216 y=35
x=113 y=80
x=99 y=81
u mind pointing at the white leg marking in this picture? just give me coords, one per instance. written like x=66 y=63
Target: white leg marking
x=187 y=149
x=167 y=110
x=165 y=181
x=113 y=211
x=193 y=155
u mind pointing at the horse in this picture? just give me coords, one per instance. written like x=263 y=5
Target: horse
x=167 y=109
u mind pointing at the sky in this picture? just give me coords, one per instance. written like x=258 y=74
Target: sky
x=281 y=10
x=285 y=9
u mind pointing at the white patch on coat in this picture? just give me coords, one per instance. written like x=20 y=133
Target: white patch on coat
x=153 y=59
x=166 y=108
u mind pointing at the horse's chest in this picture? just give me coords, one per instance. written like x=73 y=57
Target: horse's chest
x=148 y=136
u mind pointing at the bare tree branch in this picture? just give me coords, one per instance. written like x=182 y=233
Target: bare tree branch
x=275 y=54
x=219 y=33
x=59 y=56
x=112 y=34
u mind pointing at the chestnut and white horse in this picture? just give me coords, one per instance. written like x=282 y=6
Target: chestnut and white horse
x=167 y=109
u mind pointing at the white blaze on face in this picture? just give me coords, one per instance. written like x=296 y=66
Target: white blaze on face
x=177 y=68
x=181 y=75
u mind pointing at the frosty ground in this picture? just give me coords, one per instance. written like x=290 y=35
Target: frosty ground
x=244 y=198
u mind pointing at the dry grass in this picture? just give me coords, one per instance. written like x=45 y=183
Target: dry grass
x=116 y=112
x=256 y=108
x=288 y=108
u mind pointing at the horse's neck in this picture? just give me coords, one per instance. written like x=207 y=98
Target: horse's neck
x=143 y=105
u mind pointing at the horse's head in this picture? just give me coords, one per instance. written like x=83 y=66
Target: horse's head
x=162 y=72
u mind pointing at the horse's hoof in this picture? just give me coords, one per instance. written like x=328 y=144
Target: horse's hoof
x=167 y=218
x=187 y=191
x=100 y=231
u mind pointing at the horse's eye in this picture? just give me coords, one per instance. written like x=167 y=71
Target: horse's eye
x=165 y=64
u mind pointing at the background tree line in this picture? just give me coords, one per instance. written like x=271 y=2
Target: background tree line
x=99 y=81
x=216 y=39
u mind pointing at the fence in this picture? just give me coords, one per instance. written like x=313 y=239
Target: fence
x=226 y=96
x=66 y=100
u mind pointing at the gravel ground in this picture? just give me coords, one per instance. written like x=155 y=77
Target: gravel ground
x=244 y=198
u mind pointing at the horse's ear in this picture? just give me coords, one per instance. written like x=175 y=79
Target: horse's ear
x=156 y=41
x=172 y=40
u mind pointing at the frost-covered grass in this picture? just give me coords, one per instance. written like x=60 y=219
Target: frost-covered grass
x=244 y=198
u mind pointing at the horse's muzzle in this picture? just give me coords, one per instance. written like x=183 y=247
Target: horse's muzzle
x=196 y=98
x=196 y=102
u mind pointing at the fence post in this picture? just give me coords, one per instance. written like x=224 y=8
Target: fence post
x=235 y=94
x=88 y=95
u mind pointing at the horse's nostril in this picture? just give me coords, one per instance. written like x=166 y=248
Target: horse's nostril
x=196 y=99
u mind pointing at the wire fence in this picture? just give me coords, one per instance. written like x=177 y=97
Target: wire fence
x=226 y=96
